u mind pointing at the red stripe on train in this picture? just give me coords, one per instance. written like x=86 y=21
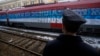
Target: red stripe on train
x=56 y=25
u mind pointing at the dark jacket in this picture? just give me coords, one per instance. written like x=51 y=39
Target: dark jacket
x=66 y=45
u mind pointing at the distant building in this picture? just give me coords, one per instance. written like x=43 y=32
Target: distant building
x=19 y=3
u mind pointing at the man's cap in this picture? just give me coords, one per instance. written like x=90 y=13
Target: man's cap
x=70 y=16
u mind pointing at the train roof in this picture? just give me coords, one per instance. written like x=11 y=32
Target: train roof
x=80 y=4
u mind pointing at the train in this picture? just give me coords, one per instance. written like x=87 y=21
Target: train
x=50 y=16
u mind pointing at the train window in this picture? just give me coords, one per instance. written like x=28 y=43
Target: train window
x=53 y=13
x=27 y=14
x=84 y=11
x=56 y=12
x=3 y=16
x=9 y=15
x=45 y=14
x=15 y=16
x=0 y=16
x=32 y=14
x=37 y=14
x=12 y=15
x=95 y=11
x=41 y=14
x=89 y=11
x=50 y=13
x=80 y=11
x=75 y=10
x=22 y=15
x=59 y=12
x=18 y=15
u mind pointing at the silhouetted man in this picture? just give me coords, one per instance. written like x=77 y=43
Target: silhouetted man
x=69 y=43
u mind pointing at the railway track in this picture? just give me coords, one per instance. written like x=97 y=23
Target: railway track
x=31 y=31
x=30 y=42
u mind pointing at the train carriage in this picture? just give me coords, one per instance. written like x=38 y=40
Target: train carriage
x=40 y=16
x=50 y=16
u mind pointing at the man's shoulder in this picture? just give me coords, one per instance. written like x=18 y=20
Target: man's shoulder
x=53 y=43
x=88 y=50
